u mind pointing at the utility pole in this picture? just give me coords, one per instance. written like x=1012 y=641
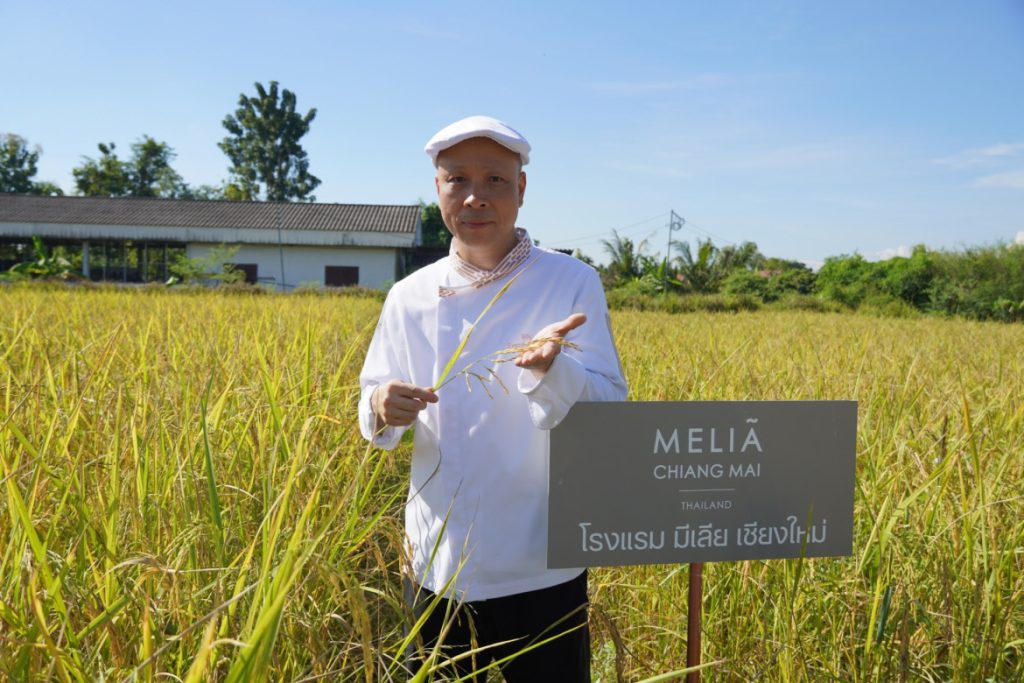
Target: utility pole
x=675 y=222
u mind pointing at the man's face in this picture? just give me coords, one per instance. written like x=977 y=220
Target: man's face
x=480 y=187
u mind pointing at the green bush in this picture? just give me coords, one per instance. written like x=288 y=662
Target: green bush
x=771 y=284
x=846 y=279
x=748 y=283
x=805 y=302
x=887 y=306
x=980 y=282
x=907 y=279
x=646 y=285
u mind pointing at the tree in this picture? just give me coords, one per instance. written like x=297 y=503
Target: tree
x=264 y=147
x=743 y=256
x=147 y=174
x=774 y=279
x=706 y=270
x=627 y=259
x=204 y=192
x=583 y=257
x=700 y=272
x=46 y=189
x=846 y=279
x=150 y=173
x=103 y=177
x=214 y=267
x=979 y=282
x=18 y=164
x=909 y=279
x=435 y=233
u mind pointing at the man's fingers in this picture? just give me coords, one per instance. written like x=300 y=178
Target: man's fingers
x=406 y=390
x=409 y=402
x=542 y=356
x=397 y=415
x=404 y=403
x=569 y=324
x=422 y=394
x=539 y=358
x=398 y=403
x=419 y=393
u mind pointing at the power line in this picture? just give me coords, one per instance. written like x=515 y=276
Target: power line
x=707 y=233
x=680 y=223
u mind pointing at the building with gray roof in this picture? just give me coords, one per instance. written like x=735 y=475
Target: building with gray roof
x=280 y=243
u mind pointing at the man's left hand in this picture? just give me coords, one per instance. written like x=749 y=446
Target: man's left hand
x=541 y=357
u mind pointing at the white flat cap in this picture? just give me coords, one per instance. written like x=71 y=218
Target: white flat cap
x=478 y=127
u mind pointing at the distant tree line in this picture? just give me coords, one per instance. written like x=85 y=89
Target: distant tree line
x=266 y=159
x=268 y=162
x=984 y=283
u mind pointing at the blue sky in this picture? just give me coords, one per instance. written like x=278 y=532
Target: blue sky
x=812 y=128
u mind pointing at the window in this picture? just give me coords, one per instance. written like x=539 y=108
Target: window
x=248 y=269
x=341 y=276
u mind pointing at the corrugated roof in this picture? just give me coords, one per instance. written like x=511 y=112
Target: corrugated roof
x=184 y=213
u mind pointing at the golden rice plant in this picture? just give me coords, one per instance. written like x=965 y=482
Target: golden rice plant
x=184 y=494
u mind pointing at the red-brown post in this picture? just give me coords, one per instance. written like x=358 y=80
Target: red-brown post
x=693 y=621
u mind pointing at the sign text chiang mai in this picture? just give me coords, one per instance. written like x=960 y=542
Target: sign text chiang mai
x=663 y=482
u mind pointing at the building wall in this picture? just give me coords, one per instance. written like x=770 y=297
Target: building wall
x=305 y=265
x=156 y=233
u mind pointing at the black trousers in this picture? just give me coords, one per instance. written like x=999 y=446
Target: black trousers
x=558 y=613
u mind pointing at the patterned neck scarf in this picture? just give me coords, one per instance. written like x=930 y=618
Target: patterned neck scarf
x=478 y=277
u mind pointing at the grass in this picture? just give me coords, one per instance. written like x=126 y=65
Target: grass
x=184 y=495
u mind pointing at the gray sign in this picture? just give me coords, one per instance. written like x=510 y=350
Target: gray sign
x=702 y=481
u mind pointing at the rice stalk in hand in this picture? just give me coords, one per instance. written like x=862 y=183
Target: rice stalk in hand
x=462 y=344
x=489 y=362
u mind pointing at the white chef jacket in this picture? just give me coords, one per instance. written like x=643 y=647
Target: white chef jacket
x=477 y=504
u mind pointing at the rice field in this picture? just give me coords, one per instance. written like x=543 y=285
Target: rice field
x=184 y=496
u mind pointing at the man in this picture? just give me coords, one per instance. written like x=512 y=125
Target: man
x=476 y=516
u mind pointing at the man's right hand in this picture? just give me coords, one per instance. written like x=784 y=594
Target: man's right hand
x=396 y=404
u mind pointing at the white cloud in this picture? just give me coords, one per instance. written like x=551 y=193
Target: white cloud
x=975 y=157
x=1011 y=179
x=892 y=252
x=1019 y=239
x=1003 y=150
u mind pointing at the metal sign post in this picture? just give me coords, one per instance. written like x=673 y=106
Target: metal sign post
x=694 y=614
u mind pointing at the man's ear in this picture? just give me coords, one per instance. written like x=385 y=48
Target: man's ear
x=522 y=186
